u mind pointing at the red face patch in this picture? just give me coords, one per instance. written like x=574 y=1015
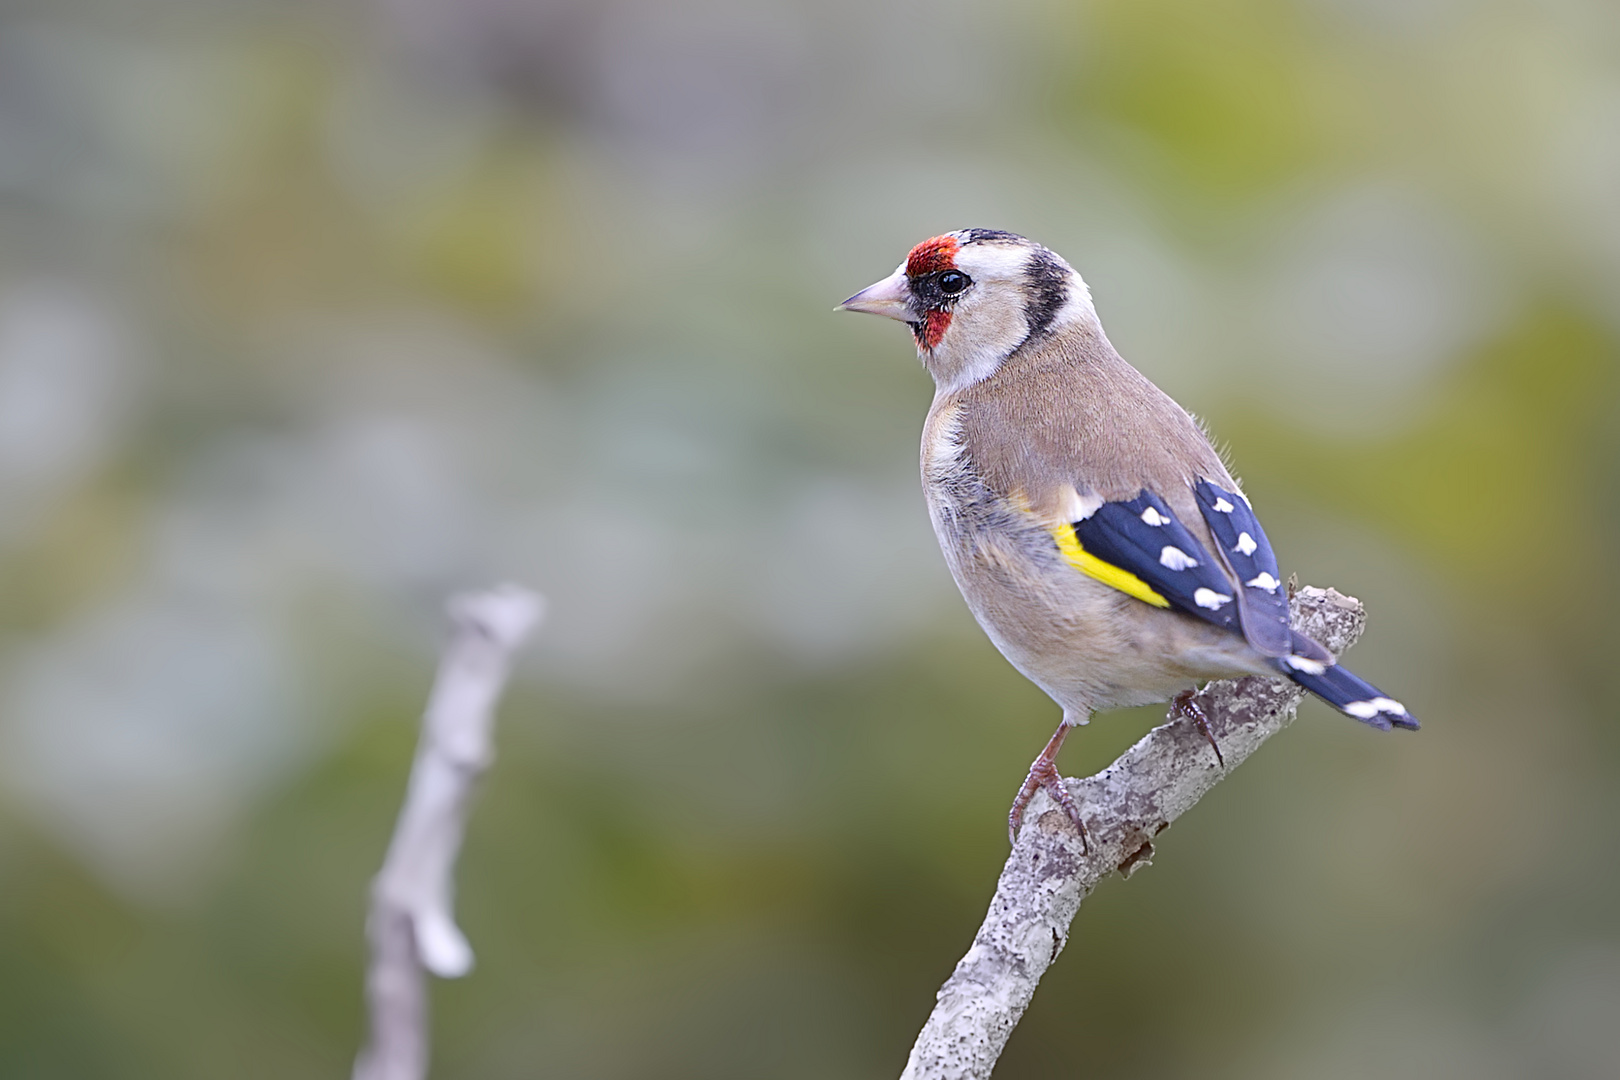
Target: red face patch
x=935 y=323
x=932 y=256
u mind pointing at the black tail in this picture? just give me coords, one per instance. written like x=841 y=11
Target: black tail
x=1311 y=667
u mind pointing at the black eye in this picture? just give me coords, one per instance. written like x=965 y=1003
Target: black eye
x=952 y=282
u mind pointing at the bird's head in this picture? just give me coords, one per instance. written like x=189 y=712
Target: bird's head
x=973 y=297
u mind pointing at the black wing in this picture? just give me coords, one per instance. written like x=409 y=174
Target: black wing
x=1243 y=546
x=1142 y=538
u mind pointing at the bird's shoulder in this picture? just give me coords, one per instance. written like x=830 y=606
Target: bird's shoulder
x=1069 y=416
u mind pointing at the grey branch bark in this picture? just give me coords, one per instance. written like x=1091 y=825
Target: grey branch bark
x=1126 y=806
x=411 y=925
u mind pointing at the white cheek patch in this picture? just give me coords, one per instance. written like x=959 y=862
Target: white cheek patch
x=981 y=335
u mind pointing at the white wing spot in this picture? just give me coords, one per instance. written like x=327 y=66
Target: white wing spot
x=1366 y=710
x=1078 y=507
x=1173 y=558
x=1152 y=516
x=1246 y=544
x=1209 y=598
x=1310 y=667
x=1263 y=581
x=1223 y=506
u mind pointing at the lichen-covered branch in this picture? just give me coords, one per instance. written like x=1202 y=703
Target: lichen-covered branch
x=1126 y=806
x=411 y=925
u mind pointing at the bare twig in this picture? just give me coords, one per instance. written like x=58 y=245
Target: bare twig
x=411 y=925
x=1126 y=805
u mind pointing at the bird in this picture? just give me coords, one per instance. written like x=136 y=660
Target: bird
x=1097 y=535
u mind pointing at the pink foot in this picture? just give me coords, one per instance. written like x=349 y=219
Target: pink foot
x=1043 y=775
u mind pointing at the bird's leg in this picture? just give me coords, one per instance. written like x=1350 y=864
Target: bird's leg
x=1185 y=704
x=1043 y=774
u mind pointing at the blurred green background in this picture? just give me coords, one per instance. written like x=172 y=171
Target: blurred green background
x=313 y=313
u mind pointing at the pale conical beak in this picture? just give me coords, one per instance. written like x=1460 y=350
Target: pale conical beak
x=890 y=297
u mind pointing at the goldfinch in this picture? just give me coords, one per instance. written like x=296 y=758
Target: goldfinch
x=1095 y=533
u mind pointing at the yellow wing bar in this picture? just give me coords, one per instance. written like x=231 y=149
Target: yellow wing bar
x=1107 y=573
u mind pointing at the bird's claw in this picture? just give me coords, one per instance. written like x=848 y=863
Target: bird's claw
x=1043 y=776
x=1185 y=704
